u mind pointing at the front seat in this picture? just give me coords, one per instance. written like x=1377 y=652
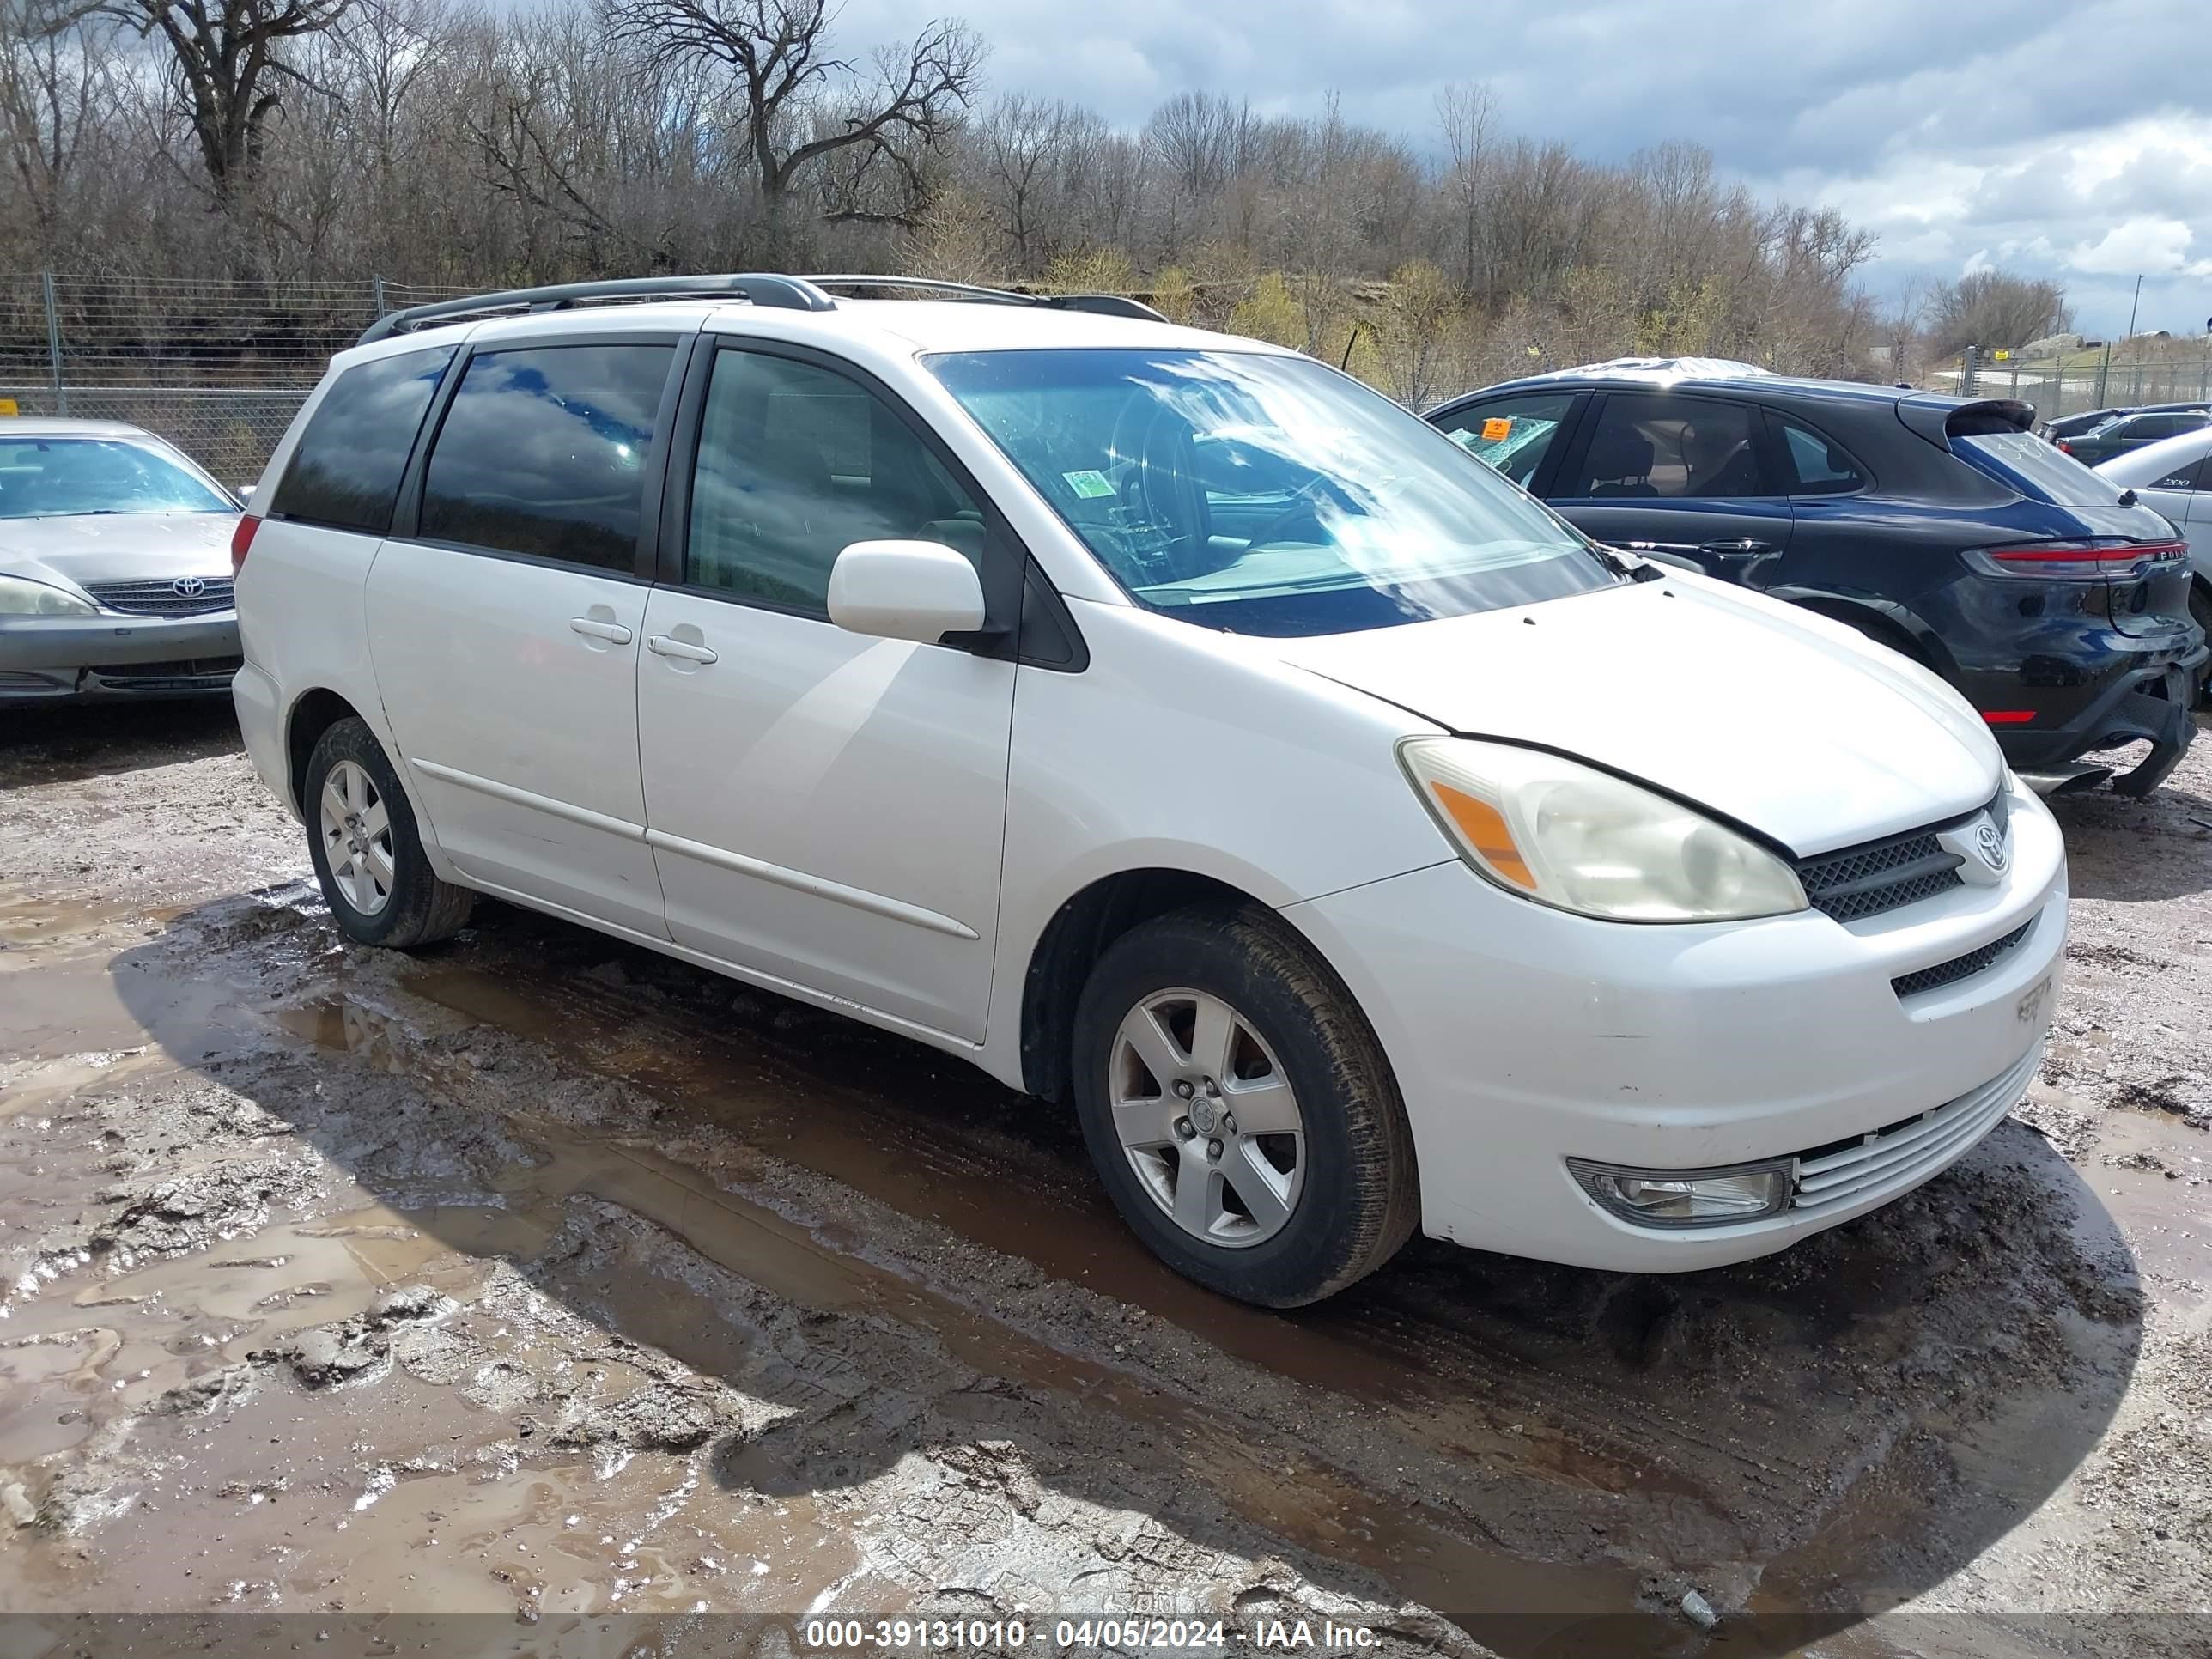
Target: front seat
x=1622 y=460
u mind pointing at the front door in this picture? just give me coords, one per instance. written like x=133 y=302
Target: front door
x=825 y=809
x=505 y=629
x=1694 y=475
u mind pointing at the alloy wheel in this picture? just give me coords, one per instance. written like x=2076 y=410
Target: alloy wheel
x=1207 y=1118
x=357 y=832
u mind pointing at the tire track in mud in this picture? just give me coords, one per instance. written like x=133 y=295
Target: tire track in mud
x=1559 y=1414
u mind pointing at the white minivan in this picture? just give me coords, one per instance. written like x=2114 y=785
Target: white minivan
x=1171 y=725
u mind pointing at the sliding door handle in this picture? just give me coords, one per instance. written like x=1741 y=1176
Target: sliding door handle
x=662 y=646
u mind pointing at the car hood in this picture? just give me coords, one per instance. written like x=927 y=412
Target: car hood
x=1785 y=721
x=117 y=547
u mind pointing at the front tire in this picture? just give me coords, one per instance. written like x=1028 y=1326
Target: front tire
x=368 y=852
x=1239 y=1108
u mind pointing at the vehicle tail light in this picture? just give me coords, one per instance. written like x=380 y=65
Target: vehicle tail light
x=2065 y=446
x=2007 y=716
x=2045 y=560
x=241 y=541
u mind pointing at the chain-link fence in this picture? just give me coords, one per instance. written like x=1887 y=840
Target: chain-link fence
x=218 y=369
x=2085 y=380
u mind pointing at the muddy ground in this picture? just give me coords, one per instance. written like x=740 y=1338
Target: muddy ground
x=545 y=1279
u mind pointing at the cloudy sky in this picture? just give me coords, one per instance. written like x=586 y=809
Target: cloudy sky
x=2072 y=138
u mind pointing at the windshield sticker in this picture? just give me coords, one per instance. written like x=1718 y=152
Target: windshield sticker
x=1498 y=429
x=1088 y=485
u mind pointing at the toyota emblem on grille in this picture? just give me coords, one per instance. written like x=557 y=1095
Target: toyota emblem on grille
x=1989 y=841
x=188 y=587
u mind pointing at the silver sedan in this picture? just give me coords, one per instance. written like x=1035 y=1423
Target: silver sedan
x=115 y=577
x=2174 y=475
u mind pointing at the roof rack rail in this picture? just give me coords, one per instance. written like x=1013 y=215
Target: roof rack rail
x=1109 y=305
x=784 y=293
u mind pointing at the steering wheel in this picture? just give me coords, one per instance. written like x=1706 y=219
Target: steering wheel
x=1304 y=505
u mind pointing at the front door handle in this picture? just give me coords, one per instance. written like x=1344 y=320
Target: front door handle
x=593 y=628
x=662 y=646
x=1744 y=549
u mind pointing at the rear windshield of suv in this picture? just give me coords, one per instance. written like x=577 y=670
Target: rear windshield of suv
x=2042 y=471
x=1262 y=493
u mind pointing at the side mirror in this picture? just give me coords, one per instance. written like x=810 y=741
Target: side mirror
x=919 y=591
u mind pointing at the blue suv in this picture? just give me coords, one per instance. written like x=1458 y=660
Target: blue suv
x=2054 y=600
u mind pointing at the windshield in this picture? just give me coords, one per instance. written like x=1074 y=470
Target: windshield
x=1265 y=494
x=53 y=478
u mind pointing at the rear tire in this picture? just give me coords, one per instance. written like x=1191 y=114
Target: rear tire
x=368 y=852
x=1317 y=1187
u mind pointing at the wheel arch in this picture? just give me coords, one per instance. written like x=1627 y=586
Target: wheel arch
x=1884 y=620
x=1074 y=939
x=313 y=713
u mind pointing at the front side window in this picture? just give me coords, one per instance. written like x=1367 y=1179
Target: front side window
x=345 y=472
x=55 y=477
x=543 y=453
x=796 y=463
x=1513 y=434
x=1264 y=494
x=1652 y=444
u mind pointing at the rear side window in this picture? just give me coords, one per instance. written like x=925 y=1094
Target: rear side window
x=2041 y=471
x=1513 y=434
x=1653 y=445
x=1819 y=466
x=543 y=451
x=345 y=472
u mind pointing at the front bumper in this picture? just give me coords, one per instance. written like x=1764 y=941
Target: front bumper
x=1521 y=1040
x=44 y=658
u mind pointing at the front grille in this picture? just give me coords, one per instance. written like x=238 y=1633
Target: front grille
x=1901 y=1154
x=161 y=599
x=1878 y=876
x=1959 y=968
x=1882 y=875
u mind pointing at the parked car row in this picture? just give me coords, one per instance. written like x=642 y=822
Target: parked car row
x=1172 y=726
x=2129 y=429
x=2057 y=602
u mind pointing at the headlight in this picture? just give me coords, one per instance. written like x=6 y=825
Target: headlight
x=1571 y=837
x=19 y=598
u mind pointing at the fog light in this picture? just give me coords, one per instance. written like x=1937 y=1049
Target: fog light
x=1687 y=1198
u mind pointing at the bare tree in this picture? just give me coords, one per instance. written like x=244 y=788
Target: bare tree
x=1467 y=113
x=225 y=69
x=776 y=55
x=55 y=74
x=1994 y=308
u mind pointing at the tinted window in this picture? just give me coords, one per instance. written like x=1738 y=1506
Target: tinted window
x=1513 y=434
x=543 y=451
x=42 y=477
x=1649 y=444
x=1378 y=518
x=346 y=470
x=2189 y=475
x=796 y=463
x=1817 y=466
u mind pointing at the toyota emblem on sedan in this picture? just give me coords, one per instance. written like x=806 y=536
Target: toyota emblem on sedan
x=1989 y=841
x=188 y=587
